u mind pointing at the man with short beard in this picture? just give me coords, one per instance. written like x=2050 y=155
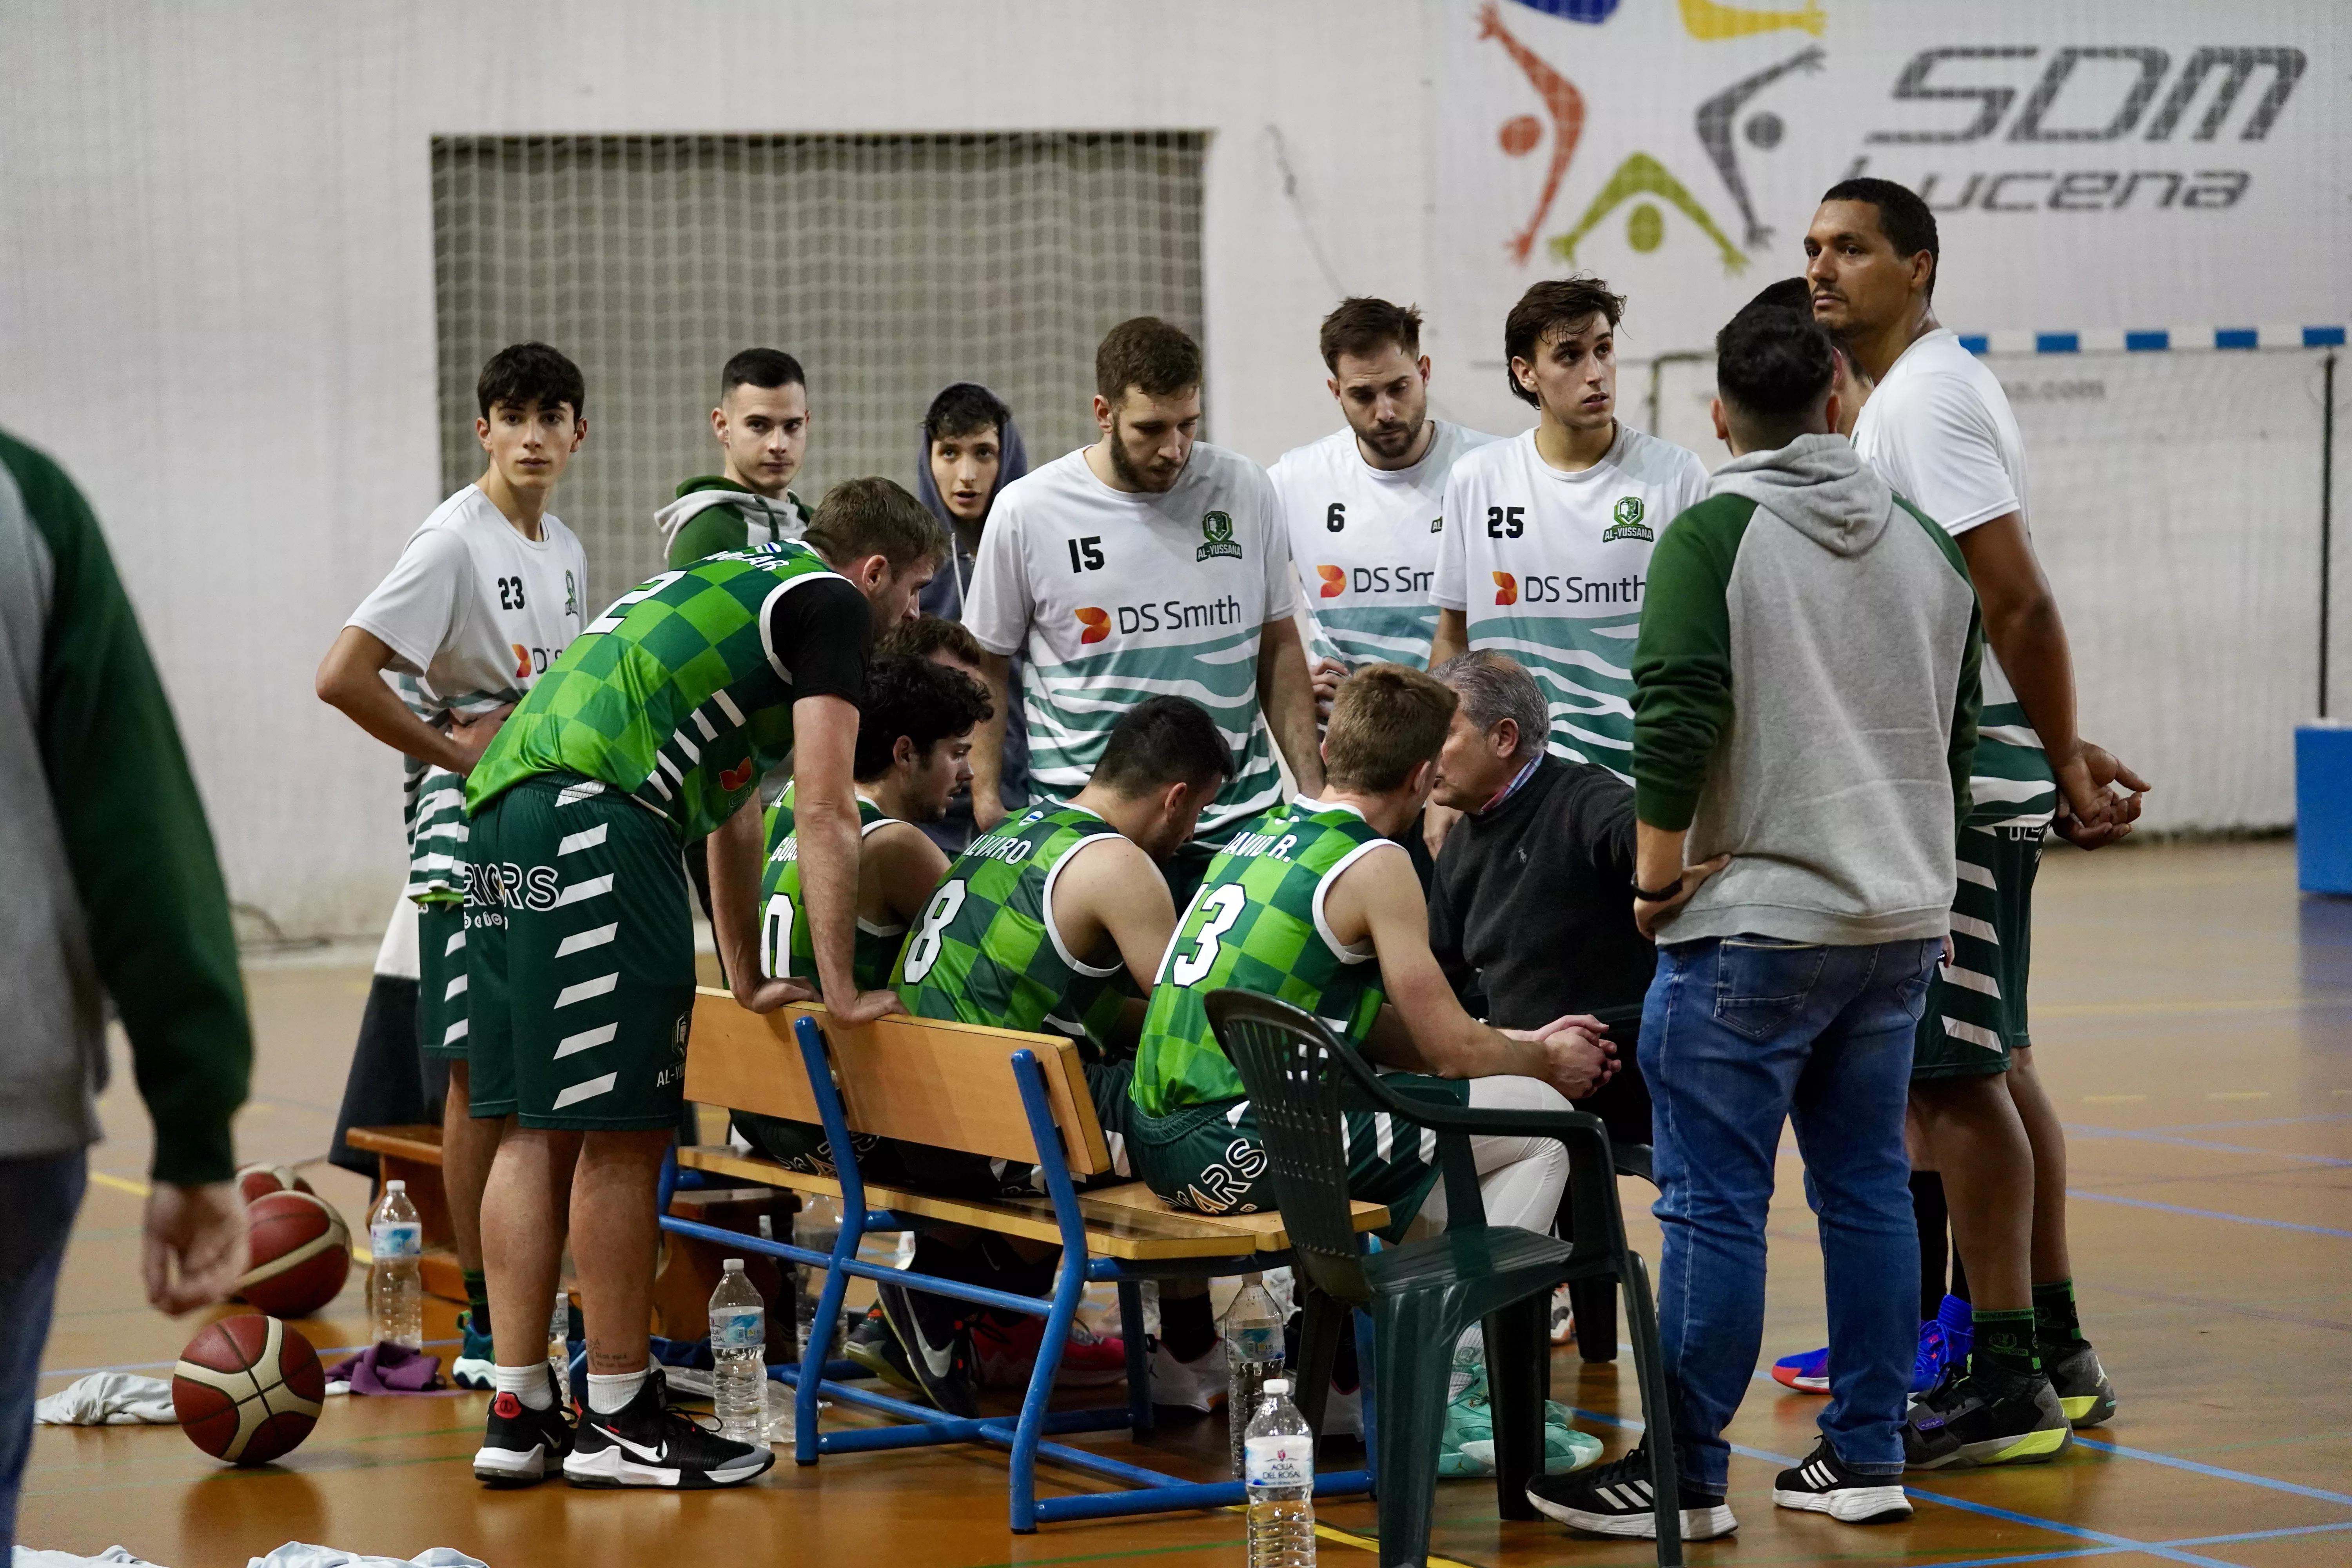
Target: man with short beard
x=761 y=425
x=1148 y=562
x=1365 y=505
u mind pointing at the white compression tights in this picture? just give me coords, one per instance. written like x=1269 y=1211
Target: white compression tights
x=1520 y=1180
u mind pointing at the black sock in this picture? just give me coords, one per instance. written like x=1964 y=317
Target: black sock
x=2055 y=1325
x=1186 y=1326
x=477 y=1301
x=1927 y=1209
x=1960 y=1278
x=2004 y=1342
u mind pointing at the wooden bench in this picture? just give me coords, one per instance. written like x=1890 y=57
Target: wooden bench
x=1008 y=1096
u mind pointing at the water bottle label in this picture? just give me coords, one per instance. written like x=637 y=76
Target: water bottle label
x=390 y=1239
x=744 y=1329
x=1279 y=1461
x=1258 y=1342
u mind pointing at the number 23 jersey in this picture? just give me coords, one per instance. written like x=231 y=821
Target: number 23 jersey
x=1550 y=567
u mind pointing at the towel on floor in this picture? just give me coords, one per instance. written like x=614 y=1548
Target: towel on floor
x=295 y=1554
x=25 y=1557
x=386 y=1369
x=109 y=1399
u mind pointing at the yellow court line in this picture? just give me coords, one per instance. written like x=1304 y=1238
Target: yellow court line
x=1363 y=1542
x=137 y=1189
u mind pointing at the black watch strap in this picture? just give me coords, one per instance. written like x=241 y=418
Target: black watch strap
x=1656 y=895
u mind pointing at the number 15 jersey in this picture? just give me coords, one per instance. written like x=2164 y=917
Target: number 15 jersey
x=1550 y=567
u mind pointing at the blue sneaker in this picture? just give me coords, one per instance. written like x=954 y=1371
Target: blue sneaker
x=476 y=1359
x=1944 y=1341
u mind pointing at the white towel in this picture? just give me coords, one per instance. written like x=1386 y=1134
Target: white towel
x=109 y=1399
x=25 y=1557
x=295 y=1554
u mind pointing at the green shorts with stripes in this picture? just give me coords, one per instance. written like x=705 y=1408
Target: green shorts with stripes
x=441 y=1010
x=1976 y=1005
x=1207 y=1159
x=579 y=958
x=802 y=1146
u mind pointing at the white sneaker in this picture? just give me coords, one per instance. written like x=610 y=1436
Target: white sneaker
x=1200 y=1383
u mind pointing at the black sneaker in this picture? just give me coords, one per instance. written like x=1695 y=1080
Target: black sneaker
x=647 y=1443
x=1616 y=1499
x=1822 y=1484
x=873 y=1346
x=2083 y=1392
x=1983 y=1420
x=936 y=1337
x=521 y=1446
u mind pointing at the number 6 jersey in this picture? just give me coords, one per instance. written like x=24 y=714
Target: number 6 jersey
x=1548 y=567
x=1257 y=924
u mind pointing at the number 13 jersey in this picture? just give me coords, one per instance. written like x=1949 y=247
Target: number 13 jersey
x=1550 y=567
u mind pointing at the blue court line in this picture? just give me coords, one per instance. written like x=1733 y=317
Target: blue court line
x=2216 y=1471
x=2112 y=1550
x=2080 y=1533
x=2203 y=1214
x=2096 y=1134
x=2258 y=1122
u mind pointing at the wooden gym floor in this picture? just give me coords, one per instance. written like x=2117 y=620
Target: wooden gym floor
x=2192 y=1014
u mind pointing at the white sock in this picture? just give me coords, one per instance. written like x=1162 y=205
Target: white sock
x=528 y=1384
x=607 y=1394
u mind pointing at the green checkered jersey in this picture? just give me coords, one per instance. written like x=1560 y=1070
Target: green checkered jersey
x=1256 y=924
x=986 y=951
x=672 y=696
x=785 y=953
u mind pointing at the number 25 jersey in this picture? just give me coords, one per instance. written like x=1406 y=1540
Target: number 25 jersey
x=1550 y=567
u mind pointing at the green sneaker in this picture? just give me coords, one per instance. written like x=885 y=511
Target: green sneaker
x=1467 y=1447
x=476 y=1357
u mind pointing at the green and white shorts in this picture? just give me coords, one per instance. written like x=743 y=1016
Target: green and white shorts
x=579 y=958
x=1207 y=1159
x=1975 y=1015
x=442 y=1015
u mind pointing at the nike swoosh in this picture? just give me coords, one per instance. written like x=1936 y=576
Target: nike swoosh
x=653 y=1456
x=940 y=1362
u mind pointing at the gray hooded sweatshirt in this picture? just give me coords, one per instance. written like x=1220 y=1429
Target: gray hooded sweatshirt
x=1805 y=697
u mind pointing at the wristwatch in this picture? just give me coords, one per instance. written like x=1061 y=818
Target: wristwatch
x=1656 y=895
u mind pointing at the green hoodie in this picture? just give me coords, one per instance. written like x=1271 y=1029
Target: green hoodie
x=713 y=513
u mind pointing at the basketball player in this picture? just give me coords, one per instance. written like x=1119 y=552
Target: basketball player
x=1938 y=428
x=484 y=596
x=1145 y=562
x=1304 y=904
x=761 y=423
x=651 y=733
x=1365 y=505
x=1548 y=535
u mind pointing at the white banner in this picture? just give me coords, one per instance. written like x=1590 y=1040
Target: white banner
x=2092 y=166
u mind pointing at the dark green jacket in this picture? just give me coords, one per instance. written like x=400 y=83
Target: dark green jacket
x=112 y=890
x=713 y=513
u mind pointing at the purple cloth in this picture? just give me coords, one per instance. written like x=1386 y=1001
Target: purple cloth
x=389 y=1369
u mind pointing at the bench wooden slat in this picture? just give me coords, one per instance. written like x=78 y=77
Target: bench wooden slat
x=1127 y=1222
x=420 y=1144
x=900 y=1078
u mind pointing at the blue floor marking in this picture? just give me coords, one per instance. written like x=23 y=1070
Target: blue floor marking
x=2216 y=1471
x=2090 y=1197
x=2097 y=1134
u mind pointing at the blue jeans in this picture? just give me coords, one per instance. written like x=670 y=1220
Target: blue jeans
x=40 y=1196
x=1739 y=1035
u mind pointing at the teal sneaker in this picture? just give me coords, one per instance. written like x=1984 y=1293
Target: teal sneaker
x=1467 y=1447
x=476 y=1359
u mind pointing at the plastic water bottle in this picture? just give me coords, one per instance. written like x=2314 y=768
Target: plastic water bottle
x=396 y=1281
x=738 y=1337
x=1280 y=1476
x=559 y=1342
x=1252 y=1355
x=817 y=1227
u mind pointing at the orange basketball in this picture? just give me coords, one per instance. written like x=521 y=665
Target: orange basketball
x=258 y=1181
x=247 y=1389
x=302 y=1253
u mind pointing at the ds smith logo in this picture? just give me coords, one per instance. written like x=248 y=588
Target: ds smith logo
x=1095 y=621
x=1629 y=523
x=1335 y=581
x=1160 y=615
x=530 y=661
x=1506 y=588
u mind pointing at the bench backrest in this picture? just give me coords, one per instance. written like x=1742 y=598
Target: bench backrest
x=946 y=1085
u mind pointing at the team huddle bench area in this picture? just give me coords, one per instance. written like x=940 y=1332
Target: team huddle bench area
x=1008 y=1096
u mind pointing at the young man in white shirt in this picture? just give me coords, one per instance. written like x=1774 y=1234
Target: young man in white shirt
x=1148 y=562
x=483 y=598
x=1548 y=538
x=1938 y=428
x=1365 y=506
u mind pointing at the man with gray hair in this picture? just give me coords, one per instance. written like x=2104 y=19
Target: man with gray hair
x=1528 y=908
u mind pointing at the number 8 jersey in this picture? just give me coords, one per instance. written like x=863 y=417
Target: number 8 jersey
x=986 y=949
x=1257 y=924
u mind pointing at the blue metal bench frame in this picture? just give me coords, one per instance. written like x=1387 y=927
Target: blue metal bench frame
x=1146 y=1490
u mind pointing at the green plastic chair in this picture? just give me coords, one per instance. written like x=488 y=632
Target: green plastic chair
x=1425 y=1295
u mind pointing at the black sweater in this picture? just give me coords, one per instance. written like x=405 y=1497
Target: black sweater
x=1531 y=910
